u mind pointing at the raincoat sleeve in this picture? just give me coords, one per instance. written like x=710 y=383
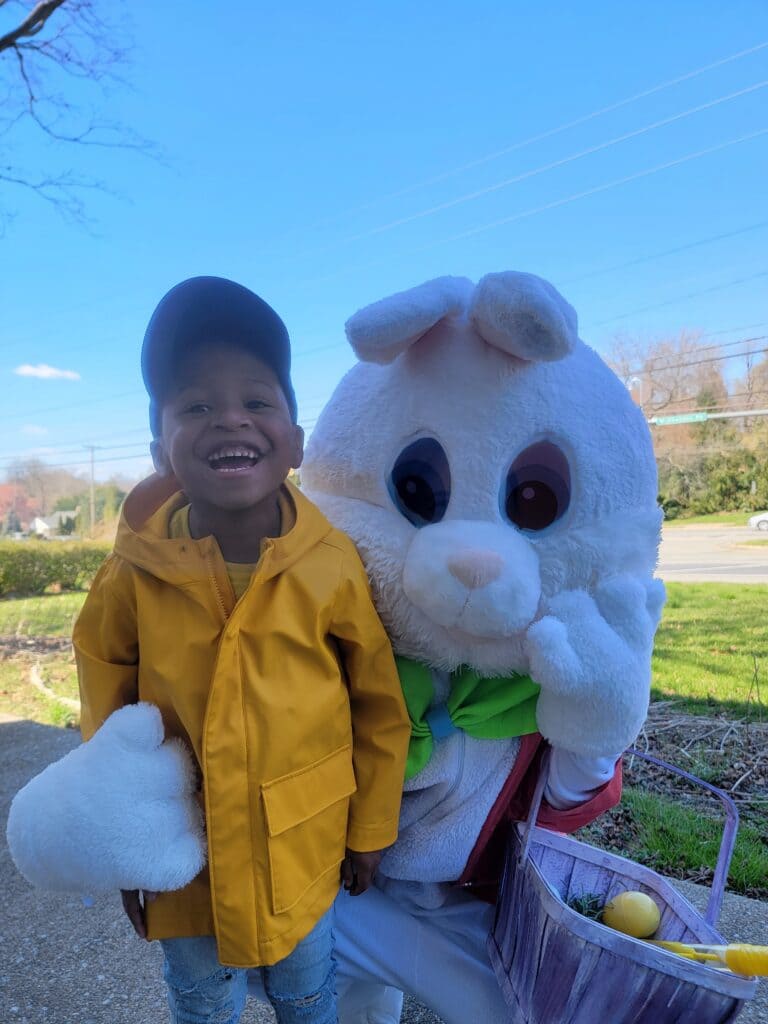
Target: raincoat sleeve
x=380 y=724
x=106 y=646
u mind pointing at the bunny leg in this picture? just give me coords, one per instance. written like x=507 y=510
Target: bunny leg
x=437 y=955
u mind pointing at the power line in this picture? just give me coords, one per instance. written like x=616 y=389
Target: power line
x=49 y=449
x=712 y=408
x=682 y=298
x=699 y=362
x=554 y=204
x=534 y=172
x=698 y=350
x=666 y=252
x=732 y=330
x=71 y=451
x=549 y=133
x=115 y=458
x=597 y=189
x=69 y=405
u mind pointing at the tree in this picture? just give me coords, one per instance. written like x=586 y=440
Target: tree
x=48 y=50
x=43 y=485
x=704 y=466
x=107 y=501
x=15 y=505
x=12 y=522
x=753 y=390
x=659 y=373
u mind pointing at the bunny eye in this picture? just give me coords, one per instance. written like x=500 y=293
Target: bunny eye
x=420 y=482
x=538 y=487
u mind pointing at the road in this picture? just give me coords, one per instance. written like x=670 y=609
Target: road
x=707 y=554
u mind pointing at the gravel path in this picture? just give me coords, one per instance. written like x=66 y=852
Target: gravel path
x=63 y=963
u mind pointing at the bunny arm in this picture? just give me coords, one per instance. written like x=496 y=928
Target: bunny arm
x=117 y=812
x=591 y=657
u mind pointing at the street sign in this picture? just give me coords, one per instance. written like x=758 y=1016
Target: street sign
x=683 y=417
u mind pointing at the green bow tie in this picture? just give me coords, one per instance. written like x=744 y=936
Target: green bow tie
x=488 y=709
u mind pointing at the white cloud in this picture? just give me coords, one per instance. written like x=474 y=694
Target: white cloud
x=33 y=430
x=45 y=372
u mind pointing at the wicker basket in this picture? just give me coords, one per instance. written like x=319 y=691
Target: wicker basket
x=556 y=966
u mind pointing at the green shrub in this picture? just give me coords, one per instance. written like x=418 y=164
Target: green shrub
x=30 y=567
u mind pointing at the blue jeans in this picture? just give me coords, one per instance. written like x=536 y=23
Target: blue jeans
x=300 y=987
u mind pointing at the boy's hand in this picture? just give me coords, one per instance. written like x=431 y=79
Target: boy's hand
x=134 y=902
x=358 y=870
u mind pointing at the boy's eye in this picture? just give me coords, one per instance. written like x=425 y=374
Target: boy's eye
x=196 y=408
x=256 y=403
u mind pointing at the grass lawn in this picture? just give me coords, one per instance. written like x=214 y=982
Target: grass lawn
x=19 y=698
x=682 y=841
x=706 y=646
x=712 y=519
x=712 y=640
x=49 y=615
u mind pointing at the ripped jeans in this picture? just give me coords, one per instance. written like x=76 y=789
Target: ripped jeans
x=300 y=987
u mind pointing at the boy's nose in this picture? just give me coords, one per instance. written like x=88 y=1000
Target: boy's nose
x=232 y=419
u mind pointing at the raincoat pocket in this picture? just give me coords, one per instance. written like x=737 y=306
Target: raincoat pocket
x=306 y=814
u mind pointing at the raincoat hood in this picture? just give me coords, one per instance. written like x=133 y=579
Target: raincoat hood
x=142 y=534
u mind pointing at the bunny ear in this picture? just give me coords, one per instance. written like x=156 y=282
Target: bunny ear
x=380 y=332
x=524 y=316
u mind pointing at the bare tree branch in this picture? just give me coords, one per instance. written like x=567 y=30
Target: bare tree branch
x=31 y=25
x=59 y=39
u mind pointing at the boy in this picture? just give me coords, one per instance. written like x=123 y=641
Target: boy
x=232 y=604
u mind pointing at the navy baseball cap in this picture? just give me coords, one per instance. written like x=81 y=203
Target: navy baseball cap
x=211 y=309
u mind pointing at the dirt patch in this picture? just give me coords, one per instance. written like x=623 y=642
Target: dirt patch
x=729 y=753
x=13 y=646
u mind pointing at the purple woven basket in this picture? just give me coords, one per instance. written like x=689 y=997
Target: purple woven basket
x=556 y=966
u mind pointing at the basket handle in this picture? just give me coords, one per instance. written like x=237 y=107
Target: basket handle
x=730 y=828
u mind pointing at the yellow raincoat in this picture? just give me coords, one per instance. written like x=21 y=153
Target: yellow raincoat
x=289 y=699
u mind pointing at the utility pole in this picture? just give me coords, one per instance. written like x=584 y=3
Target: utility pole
x=92 y=448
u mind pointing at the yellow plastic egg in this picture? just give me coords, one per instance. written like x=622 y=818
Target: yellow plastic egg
x=633 y=913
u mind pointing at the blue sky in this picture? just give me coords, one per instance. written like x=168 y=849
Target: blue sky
x=328 y=155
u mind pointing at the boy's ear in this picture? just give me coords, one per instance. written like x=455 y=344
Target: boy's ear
x=298 y=450
x=159 y=458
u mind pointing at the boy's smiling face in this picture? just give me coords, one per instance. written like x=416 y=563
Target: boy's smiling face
x=227 y=433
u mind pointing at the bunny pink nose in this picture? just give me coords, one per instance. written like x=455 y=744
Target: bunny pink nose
x=476 y=569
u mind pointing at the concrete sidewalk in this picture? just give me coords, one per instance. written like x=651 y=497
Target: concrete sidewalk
x=62 y=963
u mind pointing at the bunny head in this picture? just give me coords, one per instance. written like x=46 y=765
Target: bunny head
x=483 y=459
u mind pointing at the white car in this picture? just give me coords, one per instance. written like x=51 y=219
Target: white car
x=759 y=522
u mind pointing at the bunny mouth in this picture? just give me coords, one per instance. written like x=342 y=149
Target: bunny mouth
x=234 y=458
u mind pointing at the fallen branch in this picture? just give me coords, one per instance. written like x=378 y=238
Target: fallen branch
x=746 y=775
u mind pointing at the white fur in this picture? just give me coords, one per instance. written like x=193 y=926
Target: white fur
x=380 y=332
x=115 y=813
x=505 y=605
x=574 y=604
x=525 y=316
x=485 y=407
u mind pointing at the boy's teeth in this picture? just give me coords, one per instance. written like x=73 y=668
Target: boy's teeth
x=234 y=452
